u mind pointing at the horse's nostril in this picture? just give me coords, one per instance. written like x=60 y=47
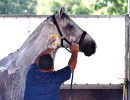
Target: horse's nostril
x=94 y=47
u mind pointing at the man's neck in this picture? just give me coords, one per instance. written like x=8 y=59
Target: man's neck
x=41 y=70
x=45 y=70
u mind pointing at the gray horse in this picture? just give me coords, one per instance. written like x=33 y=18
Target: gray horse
x=13 y=68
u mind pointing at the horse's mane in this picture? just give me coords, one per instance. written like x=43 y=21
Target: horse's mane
x=31 y=39
x=35 y=34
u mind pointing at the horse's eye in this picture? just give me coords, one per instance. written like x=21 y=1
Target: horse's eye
x=69 y=26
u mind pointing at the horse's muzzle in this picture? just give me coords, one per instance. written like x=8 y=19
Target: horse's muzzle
x=88 y=48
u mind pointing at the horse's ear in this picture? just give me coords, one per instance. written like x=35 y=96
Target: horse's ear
x=62 y=10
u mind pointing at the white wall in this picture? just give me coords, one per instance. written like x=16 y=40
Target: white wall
x=104 y=67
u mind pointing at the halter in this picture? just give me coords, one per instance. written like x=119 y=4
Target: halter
x=64 y=39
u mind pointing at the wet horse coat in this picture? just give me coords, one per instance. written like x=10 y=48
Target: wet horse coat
x=13 y=68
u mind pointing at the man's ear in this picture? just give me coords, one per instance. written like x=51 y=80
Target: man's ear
x=61 y=11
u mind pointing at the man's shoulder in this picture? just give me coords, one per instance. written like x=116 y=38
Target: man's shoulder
x=32 y=67
x=65 y=68
x=33 y=64
x=63 y=74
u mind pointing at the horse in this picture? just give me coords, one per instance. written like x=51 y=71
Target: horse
x=14 y=66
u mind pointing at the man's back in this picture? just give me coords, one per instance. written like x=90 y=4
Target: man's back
x=44 y=85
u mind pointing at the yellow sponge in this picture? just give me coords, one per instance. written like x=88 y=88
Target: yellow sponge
x=53 y=35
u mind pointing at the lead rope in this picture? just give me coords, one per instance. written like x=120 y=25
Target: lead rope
x=80 y=43
x=71 y=86
x=64 y=39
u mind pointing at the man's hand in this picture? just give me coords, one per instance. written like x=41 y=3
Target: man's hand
x=52 y=45
x=73 y=60
x=52 y=42
x=74 y=48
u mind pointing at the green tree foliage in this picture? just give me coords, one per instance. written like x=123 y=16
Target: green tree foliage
x=91 y=7
x=17 y=6
x=111 y=7
x=72 y=6
x=117 y=6
x=98 y=7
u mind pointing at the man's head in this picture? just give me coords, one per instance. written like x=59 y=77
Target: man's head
x=45 y=62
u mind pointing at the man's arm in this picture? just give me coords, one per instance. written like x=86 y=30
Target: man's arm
x=50 y=48
x=73 y=60
x=47 y=51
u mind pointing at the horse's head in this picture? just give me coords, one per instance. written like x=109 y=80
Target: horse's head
x=72 y=32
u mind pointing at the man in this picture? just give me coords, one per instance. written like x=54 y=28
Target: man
x=42 y=83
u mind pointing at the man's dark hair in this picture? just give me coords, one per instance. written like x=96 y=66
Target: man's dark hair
x=45 y=62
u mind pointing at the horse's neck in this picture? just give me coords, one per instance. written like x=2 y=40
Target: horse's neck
x=32 y=47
